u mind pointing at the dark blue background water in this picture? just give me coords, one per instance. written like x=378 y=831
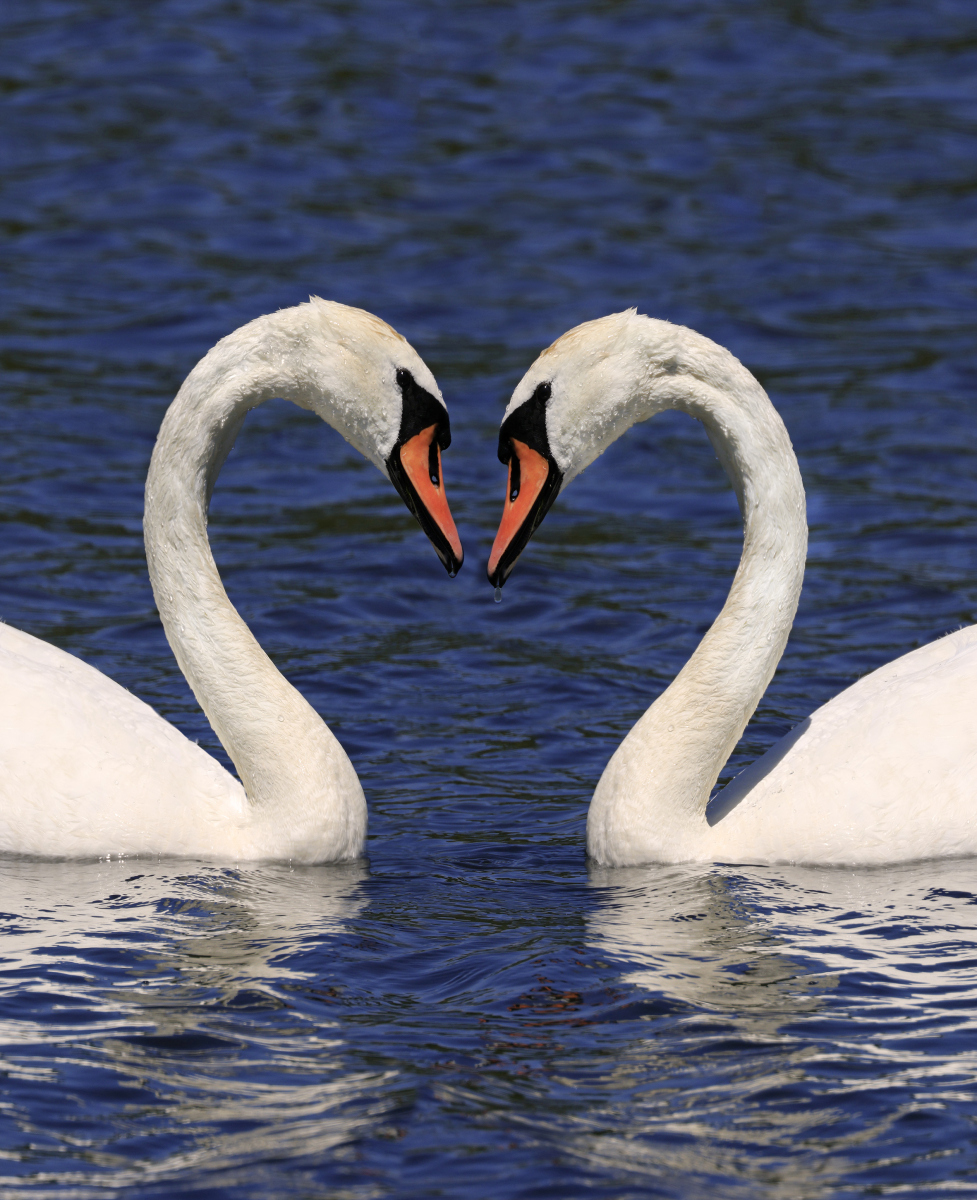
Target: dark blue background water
x=473 y=1013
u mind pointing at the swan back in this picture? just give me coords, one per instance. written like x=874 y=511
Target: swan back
x=88 y=769
x=885 y=772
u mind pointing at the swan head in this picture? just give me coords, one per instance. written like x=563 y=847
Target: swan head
x=571 y=404
x=367 y=382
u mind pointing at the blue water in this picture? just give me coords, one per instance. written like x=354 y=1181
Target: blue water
x=473 y=1012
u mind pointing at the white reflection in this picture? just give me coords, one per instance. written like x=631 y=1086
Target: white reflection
x=691 y=934
x=750 y=937
x=794 y=990
x=214 y=923
x=203 y=991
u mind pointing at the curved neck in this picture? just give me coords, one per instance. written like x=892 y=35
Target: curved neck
x=285 y=755
x=663 y=772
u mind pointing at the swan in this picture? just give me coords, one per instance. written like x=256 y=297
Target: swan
x=88 y=770
x=884 y=772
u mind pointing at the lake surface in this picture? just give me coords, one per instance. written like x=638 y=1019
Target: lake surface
x=473 y=1012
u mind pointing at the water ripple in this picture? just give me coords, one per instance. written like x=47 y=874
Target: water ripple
x=471 y=1013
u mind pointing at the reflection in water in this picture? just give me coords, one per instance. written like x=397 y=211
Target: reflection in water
x=690 y=933
x=209 y=923
x=748 y=1077
x=186 y=997
x=794 y=180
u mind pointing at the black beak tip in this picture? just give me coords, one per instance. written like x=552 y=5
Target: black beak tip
x=501 y=573
x=450 y=561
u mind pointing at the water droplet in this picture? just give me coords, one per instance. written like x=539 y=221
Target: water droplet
x=498 y=595
x=281 y=718
x=452 y=573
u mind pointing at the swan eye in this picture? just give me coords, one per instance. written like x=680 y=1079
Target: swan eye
x=404 y=377
x=433 y=464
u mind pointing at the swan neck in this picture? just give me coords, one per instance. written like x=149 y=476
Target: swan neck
x=660 y=779
x=285 y=755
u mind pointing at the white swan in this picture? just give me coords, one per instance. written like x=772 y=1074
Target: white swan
x=86 y=769
x=885 y=772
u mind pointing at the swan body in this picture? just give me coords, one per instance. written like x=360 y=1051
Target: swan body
x=86 y=768
x=885 y=772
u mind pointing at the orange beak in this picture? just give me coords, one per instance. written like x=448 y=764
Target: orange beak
x=529 y=493
x=420 y=458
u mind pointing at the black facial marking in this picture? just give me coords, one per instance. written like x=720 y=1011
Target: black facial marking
x=528 y=425
x=420 y=411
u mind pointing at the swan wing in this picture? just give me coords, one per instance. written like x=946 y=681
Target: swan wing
x=886 y=771
x=88 y=769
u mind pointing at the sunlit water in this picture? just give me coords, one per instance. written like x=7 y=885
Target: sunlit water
x=471 y=1012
